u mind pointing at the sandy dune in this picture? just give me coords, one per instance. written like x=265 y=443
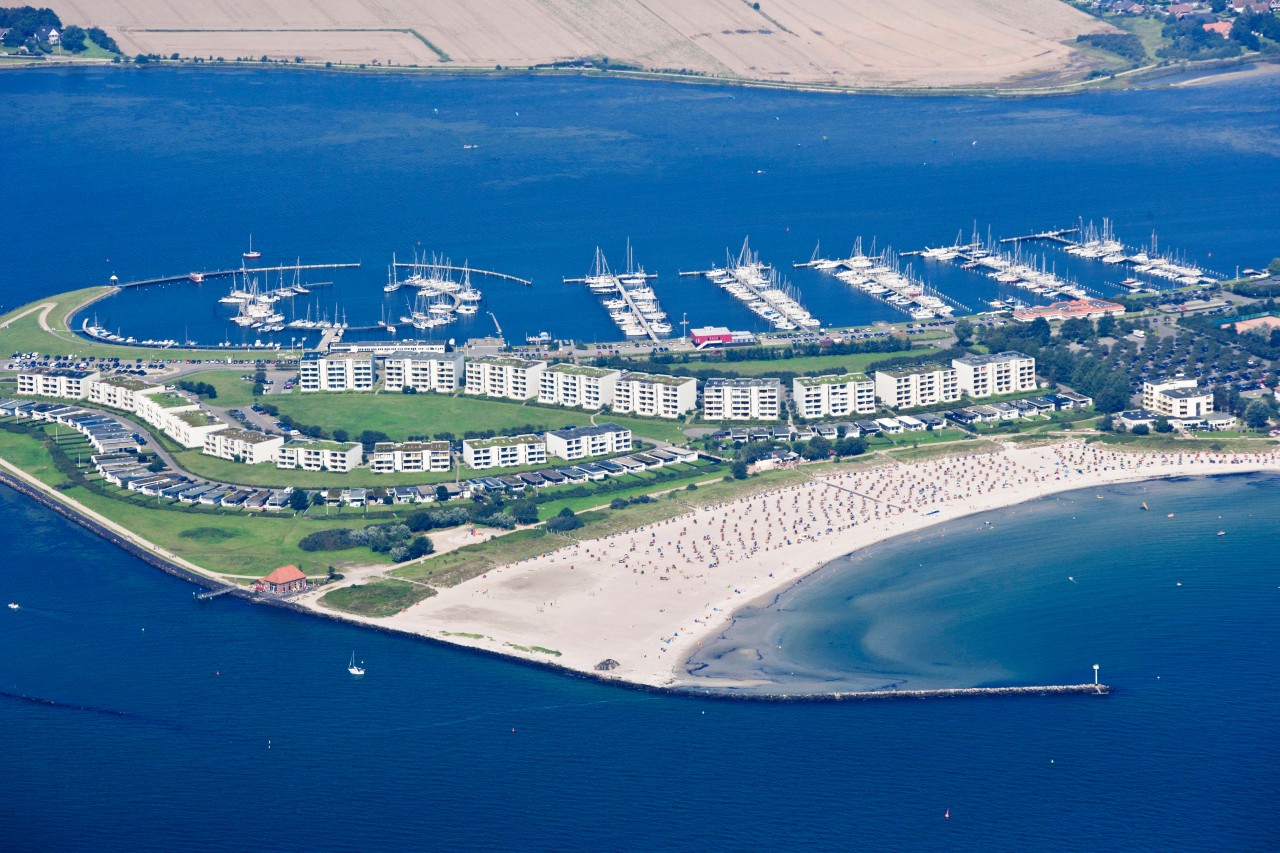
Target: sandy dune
x=873 y=43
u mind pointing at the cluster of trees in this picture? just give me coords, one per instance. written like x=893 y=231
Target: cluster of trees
x=394 y=539
x=368 y=437
x=1190 y=40
x=200 y=389
x=814 y=450
x=1247 y=28
x=1125 y=45
x=25 y=22
x=623 y=503
x=1085 y=371
x=424 y=520
x=1263 y=343
x=564 y=521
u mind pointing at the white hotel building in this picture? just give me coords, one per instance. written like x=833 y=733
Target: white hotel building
x=833 y=396
x=118 y=392
x=757 y=399
x=505 y=376
x=1000 y=373
x=575 y=385
x=655 y=395
x=335 y=372
x=922 y=385
x=443 y=372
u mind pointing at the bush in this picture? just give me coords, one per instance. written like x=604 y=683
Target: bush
x=423 y=520
x=419 y=547
x=337 y=539
x=500 y=520
x=1140 y=429
x=565 y=521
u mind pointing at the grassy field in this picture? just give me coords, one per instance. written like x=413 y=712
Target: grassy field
x=233 y=392
x=470 y=561
x=1174 y=443
x=247 y=544
x=377 y=598
x=403 y=415
x=937 y=451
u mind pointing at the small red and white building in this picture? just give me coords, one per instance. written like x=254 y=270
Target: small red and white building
x=283 y=581
x=711 y=336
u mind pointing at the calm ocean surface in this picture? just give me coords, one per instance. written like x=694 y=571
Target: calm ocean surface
x=146 y=174
x=164 y=724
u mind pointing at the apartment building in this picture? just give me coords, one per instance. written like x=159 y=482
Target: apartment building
x=504 y=376
x=1177 y=398
x=757 y=399
x=423 y=371
x=242 y=445
x=348 y=372
x=320 y=456
x=919 y=385
x=577 y=385
x=833 y=396
x=655 y=395
x=504 y=451
x=42 y=382
x=410 y=456
x=584 y=441
x=118 y=392
x=999 y=373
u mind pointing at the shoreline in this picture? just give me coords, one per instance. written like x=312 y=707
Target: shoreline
x=669 y=672
x=1214 y=71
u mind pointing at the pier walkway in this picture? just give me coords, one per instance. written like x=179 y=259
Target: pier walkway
x=186 y=276
x=451 y=268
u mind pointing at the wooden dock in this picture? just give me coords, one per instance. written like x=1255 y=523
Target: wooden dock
x=451 y=268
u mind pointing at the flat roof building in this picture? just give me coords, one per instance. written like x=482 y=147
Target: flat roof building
x=755 y=399
x=584 y=441
x=918 y=385
x=346 y=372
x=998 y=373
x=577 y=385
x=833 y=396
x=504 y=376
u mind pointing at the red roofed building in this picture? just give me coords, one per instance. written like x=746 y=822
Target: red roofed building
x=282 y=581
x=1222 y=28
x=1067 y=310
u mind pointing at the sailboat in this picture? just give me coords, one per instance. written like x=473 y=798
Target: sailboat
x=251 y=255
x=352 y=668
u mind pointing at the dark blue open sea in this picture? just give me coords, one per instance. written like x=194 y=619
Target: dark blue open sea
x=136 y=718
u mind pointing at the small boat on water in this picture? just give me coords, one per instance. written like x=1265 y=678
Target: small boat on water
x=352 y=668
x=13 y=605
x=1144 y=505
x=196 y=277
x=252 y=254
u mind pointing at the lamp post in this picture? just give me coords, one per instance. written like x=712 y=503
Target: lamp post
x=1095 y=675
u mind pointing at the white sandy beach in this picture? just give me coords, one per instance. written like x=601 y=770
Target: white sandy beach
x=648 y=598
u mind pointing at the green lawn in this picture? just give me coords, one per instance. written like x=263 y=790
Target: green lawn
x=243 y=544
x=377 y=598
x=403 y=415
x=25 y=335
x=233 y=392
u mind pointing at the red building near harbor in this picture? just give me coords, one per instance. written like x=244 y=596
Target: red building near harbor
x=282 y=581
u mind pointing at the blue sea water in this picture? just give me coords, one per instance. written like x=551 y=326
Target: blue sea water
x=143 y=174
x=163 y=723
